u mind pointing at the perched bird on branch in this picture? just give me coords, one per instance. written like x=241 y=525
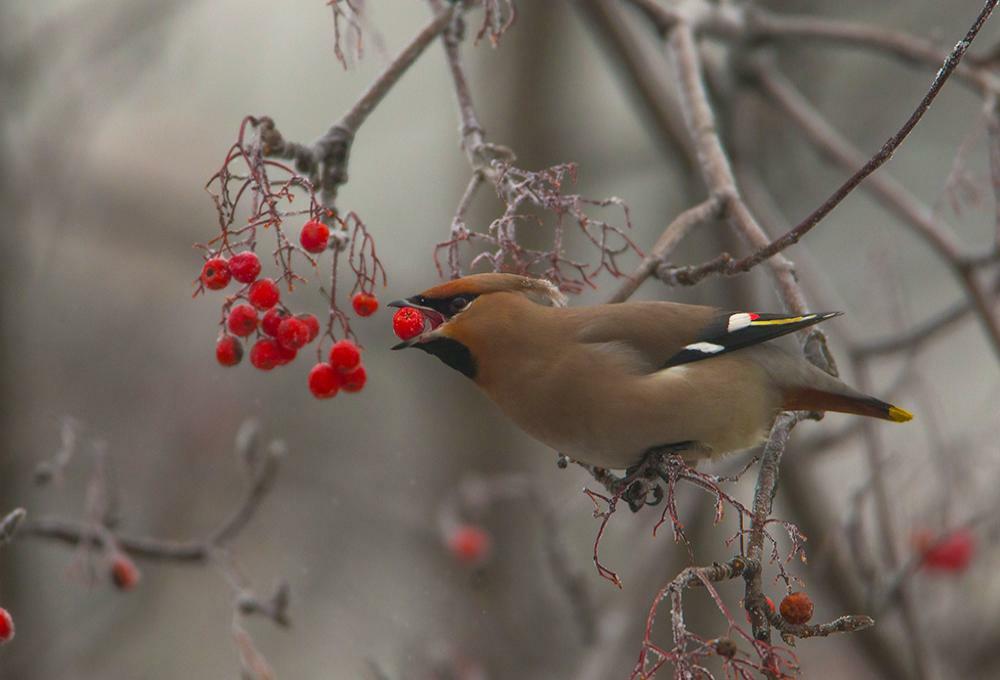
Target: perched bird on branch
x=607 y=383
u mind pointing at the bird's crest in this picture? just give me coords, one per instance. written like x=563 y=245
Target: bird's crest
x=538 y=290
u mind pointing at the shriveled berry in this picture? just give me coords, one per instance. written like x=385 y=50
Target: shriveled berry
x=951 y=552
x=245 y=267
x=264 y=294
x=215 y=273
x=408 y=323
x=272 y=319
x=265 y=354
x=6 y=626
x=314 y=236
x=354 y=380
x=228 y=351
x=324 y=381
x=293 y=333
x=770 y=605
x=344 y=355
x=470 y=544
x=796 y=608
x=313 y=324
x=242 y=320
x=365 y=304
x=124 y=573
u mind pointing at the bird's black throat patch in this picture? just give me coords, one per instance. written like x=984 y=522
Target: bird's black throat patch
x=451 y=352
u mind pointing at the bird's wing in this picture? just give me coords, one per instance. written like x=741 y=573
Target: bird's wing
x=666 y=334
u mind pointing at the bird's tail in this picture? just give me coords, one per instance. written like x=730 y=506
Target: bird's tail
x=846 y=401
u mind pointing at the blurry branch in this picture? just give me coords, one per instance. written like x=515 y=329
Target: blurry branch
x=482 y=493
x=10 y=524
x=325 y=160
x=685 y=52
x=908 y=207
x=263 y=471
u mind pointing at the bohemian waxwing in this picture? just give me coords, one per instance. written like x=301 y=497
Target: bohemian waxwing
x=605 y=384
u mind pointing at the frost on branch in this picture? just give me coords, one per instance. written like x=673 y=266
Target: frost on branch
x=528 y=196
x=254 y=194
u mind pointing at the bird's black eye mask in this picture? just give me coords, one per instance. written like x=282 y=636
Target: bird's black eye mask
x=446 y=307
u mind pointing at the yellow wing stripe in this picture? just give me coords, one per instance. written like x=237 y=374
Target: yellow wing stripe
x=782 y=322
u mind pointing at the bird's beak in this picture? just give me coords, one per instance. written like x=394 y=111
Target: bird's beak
x=434 y=317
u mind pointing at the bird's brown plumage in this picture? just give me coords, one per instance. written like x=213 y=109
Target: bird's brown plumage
x=592 y=382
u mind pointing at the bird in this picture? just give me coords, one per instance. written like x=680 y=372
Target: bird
x=606 y=384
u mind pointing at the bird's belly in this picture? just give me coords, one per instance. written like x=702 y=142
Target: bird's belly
x=613 y=427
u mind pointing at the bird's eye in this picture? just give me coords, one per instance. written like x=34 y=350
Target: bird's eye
x=458 y=304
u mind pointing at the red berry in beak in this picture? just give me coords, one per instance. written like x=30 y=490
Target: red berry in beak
x=408 y=323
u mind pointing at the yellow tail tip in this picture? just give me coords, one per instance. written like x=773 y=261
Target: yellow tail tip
x=899 y=415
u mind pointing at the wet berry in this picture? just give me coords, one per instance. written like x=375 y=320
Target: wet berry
x=265 y=354
x=215 y=273
x=355 y=379
x=324 y=381
x=264 y=294
x=272 y=319
x=245 y=267
x=314 y=236
x=242 y=320
x=228 y=351
x=293 y=333
x=408 y=323
x=344 y=355
x=364 y=304
x=312 y=323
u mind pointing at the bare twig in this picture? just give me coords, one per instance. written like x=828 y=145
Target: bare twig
x=725 y=264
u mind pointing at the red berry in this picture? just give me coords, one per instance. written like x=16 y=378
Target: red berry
x=245 y=267
x=124 y=573
x=265 y=354
x=314 y=236
x=324 y=381
x=470 y=544
x=313 y=323
x=365 y=304
x=796 y=608
x=228 y=351
x=951 y=552
x=286 y=355
x=408 y=323
x=770 y=605
x=355 y=379
x=272 y=319
x=6 y=626
x=293 y=333
x=242 y=320
x=215 y=273
x=344 y=355
x=264 y=294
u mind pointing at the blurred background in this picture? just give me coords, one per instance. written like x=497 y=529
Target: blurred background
x=115 y=113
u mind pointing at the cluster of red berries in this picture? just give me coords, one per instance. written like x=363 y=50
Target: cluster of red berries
x=6 y=626
x=951 y=552
x=343 y=371
x=279 y=333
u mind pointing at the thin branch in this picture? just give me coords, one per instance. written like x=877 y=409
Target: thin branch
x=669 y=240
x=907 y=206
x=728 y=266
